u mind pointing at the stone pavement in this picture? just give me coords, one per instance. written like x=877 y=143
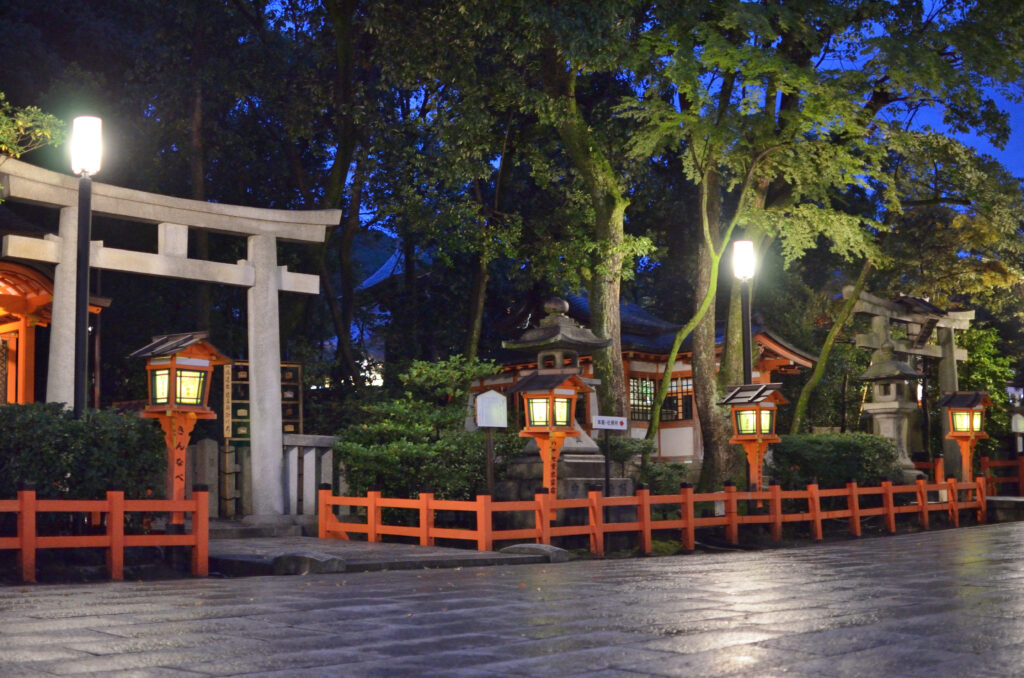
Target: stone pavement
x=941 y=603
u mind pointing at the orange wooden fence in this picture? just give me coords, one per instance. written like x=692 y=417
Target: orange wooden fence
x=921 y=499
x=114 y=540
x=996 y=476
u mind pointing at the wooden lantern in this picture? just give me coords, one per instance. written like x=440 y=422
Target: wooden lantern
x=966 y=424
x=178 y=369
x=754 y=410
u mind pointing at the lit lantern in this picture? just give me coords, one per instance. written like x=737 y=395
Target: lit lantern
x=966 y=424
x=754 y=407
x=549 y=401
x=179 y=368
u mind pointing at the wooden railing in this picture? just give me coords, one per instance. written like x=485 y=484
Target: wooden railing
x=991 y=469
x=114 y=540
x=766 y=508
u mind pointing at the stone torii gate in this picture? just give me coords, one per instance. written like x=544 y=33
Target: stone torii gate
x=173 y=217
x=926 y=331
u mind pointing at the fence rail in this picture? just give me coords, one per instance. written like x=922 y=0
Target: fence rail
x=995 y=474
x=27 y=507
x=921 y=499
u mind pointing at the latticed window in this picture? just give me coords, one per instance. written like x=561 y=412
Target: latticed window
x=641 y=397
x=678 y=403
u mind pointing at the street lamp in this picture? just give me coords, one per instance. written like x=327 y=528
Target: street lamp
x=86 y=153
x=744 y=263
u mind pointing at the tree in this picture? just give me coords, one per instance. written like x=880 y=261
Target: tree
x=26 y=129
x=761 y=102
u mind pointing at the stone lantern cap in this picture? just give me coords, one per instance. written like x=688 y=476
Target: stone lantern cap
x=885 y=367
x=557 y=331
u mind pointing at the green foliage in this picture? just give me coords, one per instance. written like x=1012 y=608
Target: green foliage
x=417 y=442
x=623 y=449
x=832 y=460
x=67 y=458
x=666 y=477
x=987 y=369
x=26 y=129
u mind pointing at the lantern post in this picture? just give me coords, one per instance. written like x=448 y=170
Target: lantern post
x=178 y=371
x=966 y=424
x=754 y=416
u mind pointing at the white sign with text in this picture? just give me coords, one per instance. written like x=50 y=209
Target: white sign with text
x=610 y=423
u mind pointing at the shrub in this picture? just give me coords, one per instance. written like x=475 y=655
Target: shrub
x=666 y=477
x=418 y=442
x=623 y=450
x=68 y=458
x=832 y=460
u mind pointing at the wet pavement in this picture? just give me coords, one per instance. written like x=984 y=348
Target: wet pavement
x=941 y=603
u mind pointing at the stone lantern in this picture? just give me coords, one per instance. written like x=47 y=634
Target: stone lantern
x=550 y=393
x=892 y=402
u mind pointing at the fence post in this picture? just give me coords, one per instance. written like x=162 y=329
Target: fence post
x=115 y=534
x=596 y=522
x=922 y=503
x=686 y=511
x=954 y=499
x=323 y=510
x=541 y=516
x=732 y=526
x=814 y=508
x=775 y=510
x=982 y=500
x=888 y=506
x=484 y=532
x=201 y=530
x=427 y=519
x=643 y=515
x=27 y=533
x=373 y=518
x=940 y=469
x=1020 y=475
x=853 y=503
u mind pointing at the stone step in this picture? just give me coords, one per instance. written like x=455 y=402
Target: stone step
x=1005 y=509
x=233 y=529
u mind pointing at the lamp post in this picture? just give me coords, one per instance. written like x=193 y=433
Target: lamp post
x=86 y=154
x=744 y=263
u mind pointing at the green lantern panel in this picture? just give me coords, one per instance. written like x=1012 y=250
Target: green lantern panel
x=538 y=411
x=190 y=387
x=562 y=411
x=160 y=386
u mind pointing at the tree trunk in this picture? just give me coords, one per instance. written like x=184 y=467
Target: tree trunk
x=197 y=174
x=609 y=203
x=800 y=409
x=477 y=297
x=715 y=437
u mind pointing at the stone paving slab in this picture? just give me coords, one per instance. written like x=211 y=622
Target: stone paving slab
x=935 y=604
x=309 y=555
